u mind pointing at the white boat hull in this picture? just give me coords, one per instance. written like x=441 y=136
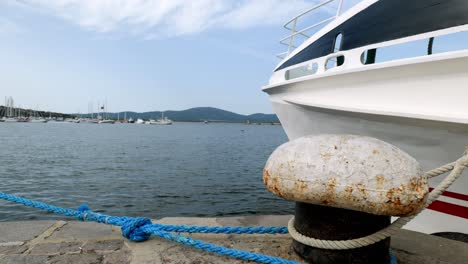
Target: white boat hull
x=431 y=144
x=160 y=123
x=421 y=108
x=106 y=122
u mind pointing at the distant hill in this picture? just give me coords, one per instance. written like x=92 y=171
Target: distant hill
x=198 y=114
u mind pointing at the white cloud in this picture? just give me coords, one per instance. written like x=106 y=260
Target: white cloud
x=262 y=12
x=170 y=17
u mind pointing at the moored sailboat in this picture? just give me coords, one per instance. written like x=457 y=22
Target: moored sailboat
x=162 y=121
x=106 y=121
x=38 y=120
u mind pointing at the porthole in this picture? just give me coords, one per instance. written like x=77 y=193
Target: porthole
x=334 y=62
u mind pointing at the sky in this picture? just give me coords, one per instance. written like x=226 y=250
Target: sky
x=153 y=55
x=142 y=55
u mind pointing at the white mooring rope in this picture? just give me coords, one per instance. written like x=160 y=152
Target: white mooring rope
x=456 y=169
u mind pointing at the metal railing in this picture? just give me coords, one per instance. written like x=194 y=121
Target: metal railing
x=290 y=39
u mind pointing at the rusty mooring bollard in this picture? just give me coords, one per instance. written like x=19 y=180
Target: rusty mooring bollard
x=345 y=187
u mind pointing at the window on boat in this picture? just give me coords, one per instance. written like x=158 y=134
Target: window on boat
x=368 y=56
x=337 y=45
x=447 y=43
x=418 y=48
x=301 y=71
x=395 y=52
x=336 y=48
x=335 y=61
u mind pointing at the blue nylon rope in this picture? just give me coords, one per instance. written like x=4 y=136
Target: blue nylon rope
x=140 y=229
x=393 y=259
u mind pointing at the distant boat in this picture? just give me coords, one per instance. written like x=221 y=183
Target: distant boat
x=89 y=120
x=35 y=118
x=106 y=121
x=10 y=120
x=71 y=120
x=131 y=120
x=103 y=117
x=162 y=121
x=38 y=120
x=140 y=121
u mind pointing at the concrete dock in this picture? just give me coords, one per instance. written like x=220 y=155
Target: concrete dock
x=35 y=242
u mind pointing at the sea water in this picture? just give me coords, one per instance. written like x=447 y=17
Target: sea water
x=187 y=169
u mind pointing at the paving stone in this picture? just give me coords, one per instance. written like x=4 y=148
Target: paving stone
x=187 y=221
x=425 y=247
x=254 y=220
x=75 y=230
x=76 y=259
x=8 y=250
x=186 y=255
x=105 y=245
x=14 y=243
x=56 y=248
x=404 y=257
x=22 y=230
x=23 y=259
x=118 y=257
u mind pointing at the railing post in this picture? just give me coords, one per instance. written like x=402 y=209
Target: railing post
x=338 y=11
x=291 y=40
x=294 y=22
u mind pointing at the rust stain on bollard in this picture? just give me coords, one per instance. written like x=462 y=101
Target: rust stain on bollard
x=272 y=183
